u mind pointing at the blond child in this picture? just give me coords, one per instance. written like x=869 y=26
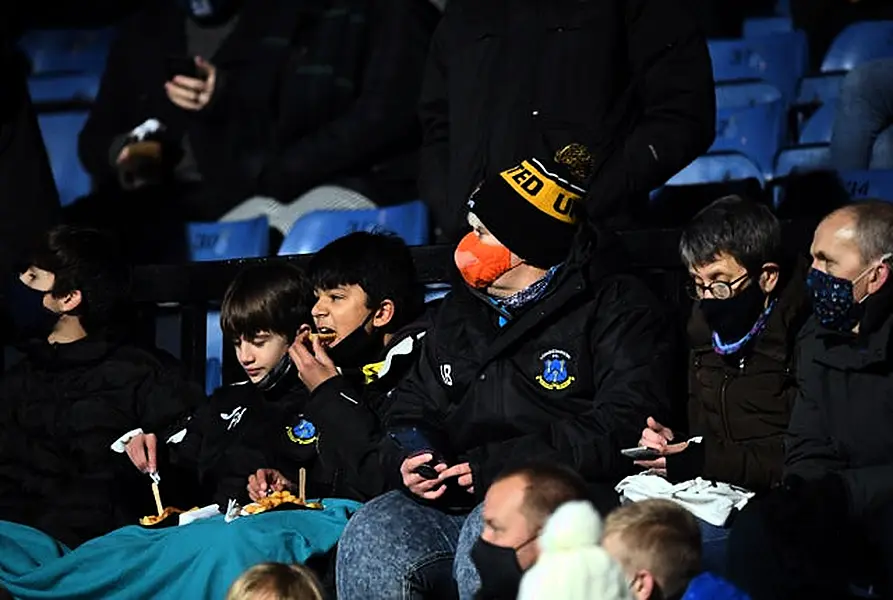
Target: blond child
x=276 y=581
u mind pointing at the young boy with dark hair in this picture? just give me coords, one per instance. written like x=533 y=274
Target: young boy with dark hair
x=65 y=406
x=243 y=425
x=368 y=301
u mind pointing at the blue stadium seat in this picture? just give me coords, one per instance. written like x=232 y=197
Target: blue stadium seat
x=780 y=59
x=224 y=241
x=60 y=134
x=869 y=184
x=820 y=89
x=800 y=158
x=229 y=240
x=316 y=229
x=755 y=130
x=716 y=168
x=817 y=129
x=742 y=94
x=78 y=87
x=758 y=26
x=859 y=43
x=68 y=51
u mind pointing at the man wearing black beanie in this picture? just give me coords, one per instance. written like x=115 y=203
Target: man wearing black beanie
x=541 y=353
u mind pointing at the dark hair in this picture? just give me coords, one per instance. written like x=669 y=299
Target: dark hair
x=273 y=296
x=86 y=260
x=378 y=263
x=549 y=485
x=745 y=230
x=874 y=228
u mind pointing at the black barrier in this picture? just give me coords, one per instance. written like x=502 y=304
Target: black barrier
x=195 y=288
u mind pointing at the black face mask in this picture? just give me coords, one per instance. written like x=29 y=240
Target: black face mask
x=498 y=568
x=30 y=318
x=276 y=374
x=733 y=318
x=358 y=348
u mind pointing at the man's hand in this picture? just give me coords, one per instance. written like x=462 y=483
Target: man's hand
x=314 y=368
x=142 y=452
x=190 y=93
x=655 y=435
x=427 y=489
x=463 y=472
x=265 y=480
x=659 y=465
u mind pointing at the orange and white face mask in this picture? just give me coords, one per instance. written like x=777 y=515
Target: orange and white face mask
x=482 y=264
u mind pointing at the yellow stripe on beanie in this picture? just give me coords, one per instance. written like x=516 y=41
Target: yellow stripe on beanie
x=546 y=191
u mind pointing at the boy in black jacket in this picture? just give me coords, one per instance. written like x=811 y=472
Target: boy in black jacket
x=80 y=392
x=256 y=422
x=368 y=298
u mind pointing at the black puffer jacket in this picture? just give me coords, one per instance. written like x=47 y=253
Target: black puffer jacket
x=572 y=378
x=61 y=409
x=844 y=414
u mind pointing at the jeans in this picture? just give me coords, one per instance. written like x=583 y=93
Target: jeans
x=397 y=549
x=713 y=547
x=863 y=136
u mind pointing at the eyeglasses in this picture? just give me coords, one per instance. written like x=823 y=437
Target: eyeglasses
x=720 y=290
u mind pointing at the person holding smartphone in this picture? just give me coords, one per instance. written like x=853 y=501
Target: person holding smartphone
x=228 y=109
x=750 y=305
x=542 y=351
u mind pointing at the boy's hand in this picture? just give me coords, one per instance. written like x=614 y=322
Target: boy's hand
x=314 y=368
x=142 y=452
x=265 y=480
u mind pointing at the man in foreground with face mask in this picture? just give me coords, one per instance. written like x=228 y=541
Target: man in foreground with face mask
x=751 y=305
x=832 y=518
x=76 y=391
x=541 y=354
x=515 y=509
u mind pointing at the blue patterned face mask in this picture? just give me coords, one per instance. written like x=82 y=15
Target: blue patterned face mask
x=833 y=300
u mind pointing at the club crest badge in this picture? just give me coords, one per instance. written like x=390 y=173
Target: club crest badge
x=555 y=375
x=302 y=433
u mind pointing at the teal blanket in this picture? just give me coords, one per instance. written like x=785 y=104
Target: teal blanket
x=199 y=560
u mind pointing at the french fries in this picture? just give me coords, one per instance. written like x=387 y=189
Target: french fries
x=275 y=499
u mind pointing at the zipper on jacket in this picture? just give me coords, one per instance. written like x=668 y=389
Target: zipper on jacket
x=726 y=380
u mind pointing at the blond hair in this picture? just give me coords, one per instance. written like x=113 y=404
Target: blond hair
x=658 y=536
x=276 y=581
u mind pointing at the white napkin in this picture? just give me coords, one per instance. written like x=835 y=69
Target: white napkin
x=205 y=512
x=711 y=501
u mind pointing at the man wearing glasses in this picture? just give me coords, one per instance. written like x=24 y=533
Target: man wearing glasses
x=750 y=306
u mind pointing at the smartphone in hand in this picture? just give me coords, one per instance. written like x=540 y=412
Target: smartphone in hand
x=182 y=65
x=413 y=443
x=640 y=453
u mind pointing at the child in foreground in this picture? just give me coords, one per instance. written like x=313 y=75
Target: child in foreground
x=276 y=581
